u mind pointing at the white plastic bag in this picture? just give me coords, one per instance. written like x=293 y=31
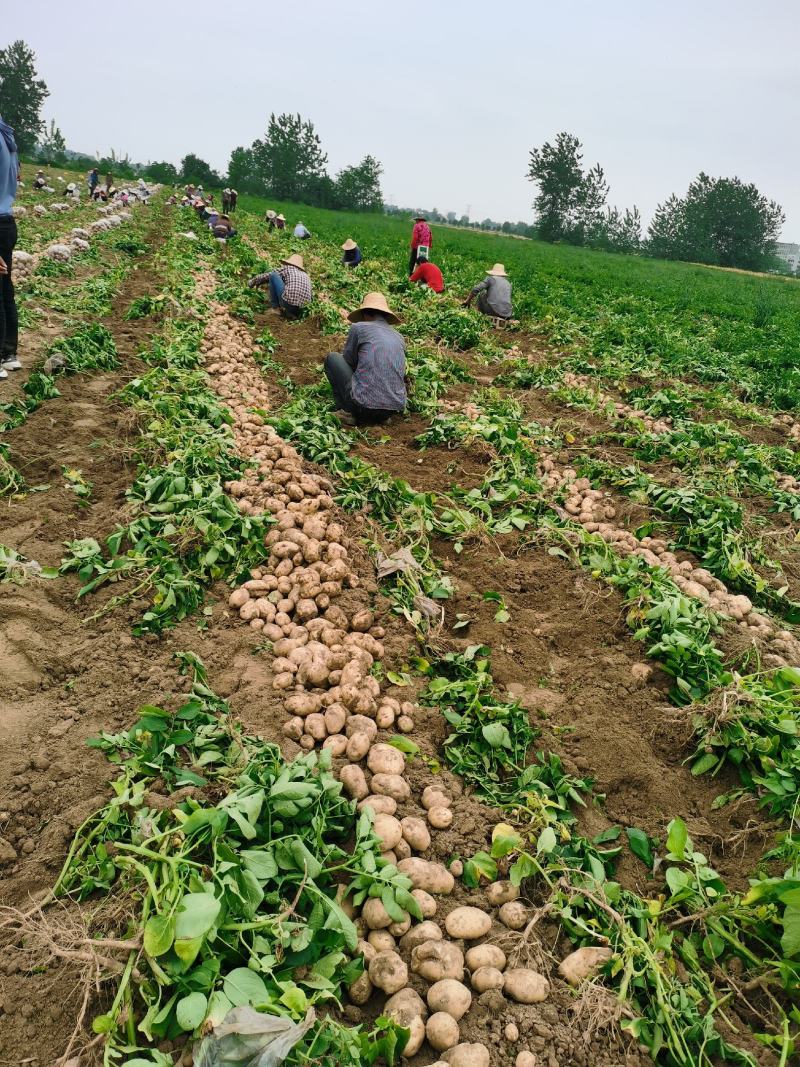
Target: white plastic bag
x=250 y=1038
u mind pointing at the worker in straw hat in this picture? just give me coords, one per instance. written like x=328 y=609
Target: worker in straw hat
x=351 y=253
x=280 y=222
x=270 y=218
x=493 y=293
x=289 y=286
x=421 y=241
x=301 y=232
x=368 y=377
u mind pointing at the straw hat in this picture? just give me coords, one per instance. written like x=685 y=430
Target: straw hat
x=281 y=217
x=373 y=302
x=270 y=214
x=295 y=261
x=498 y=271
x=349 y=245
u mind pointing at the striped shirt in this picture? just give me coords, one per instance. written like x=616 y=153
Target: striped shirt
x=377 y=354
x=297 y=282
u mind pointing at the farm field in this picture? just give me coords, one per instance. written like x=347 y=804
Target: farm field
x=446 y=699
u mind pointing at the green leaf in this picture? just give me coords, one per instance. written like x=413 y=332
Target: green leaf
x=677 y=838
x=261 y=863
x=790 y=940
x=404 y=744
x=196 y=915
x=480 y=866
x=243 y=986
x=218 y=1007
x=546 y=841
x=159 y=933
x=640 y=845
x=398 y=679
x=496 y=735
x=190 y=1011
x=704 y=763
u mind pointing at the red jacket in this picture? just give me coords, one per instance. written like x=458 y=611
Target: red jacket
x=421 y=235
x=430 y=275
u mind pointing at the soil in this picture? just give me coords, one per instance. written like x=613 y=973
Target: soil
x=565 y=654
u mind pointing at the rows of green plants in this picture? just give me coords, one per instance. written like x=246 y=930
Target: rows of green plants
x=675 y=951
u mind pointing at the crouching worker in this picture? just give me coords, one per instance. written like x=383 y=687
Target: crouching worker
x=289 y=286
x=493 y=293
x=352 y=253
x=428 y=274
x=368 y=377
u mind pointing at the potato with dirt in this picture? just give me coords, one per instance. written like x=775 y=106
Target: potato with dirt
x=451 y=996
x=388 y=972
x=467 y=923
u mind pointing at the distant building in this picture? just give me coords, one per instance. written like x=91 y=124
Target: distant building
x=789 y=253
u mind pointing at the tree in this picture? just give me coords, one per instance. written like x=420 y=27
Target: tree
x=53 y=147
x=722 y=221
x=358 y=188
x=617 y=232
x=21 y=94
x=165 y=173
x=289 y=157
x=242 y=173
x=198 y=172
x=585 y=218
x=556 y=169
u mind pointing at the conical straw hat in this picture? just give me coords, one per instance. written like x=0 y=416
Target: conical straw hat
x=270 y=214
x=373 y=302
x=295 y=260
x=498 y=271
x=349 y=245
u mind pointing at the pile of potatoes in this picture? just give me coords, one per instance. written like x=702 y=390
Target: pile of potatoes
x=591 y=508
x=785 y=421
x=25 y=263
x=622 y=411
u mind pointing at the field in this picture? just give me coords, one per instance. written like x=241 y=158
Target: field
x=530 y=649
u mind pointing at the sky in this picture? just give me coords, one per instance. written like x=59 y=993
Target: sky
x=449 y=95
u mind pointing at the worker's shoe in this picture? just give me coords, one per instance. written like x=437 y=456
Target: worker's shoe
x=345 y=418
x=12 y=363
x=3 y=373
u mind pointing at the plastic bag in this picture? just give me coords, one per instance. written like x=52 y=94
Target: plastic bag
x=250 y=1038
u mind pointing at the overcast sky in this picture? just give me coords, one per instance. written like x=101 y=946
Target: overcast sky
x=450 y=95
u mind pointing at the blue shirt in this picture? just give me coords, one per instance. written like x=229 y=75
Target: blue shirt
x=9 y=168
x=377 y=354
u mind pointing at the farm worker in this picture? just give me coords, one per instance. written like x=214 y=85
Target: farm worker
x=352 y=253
x=421 y=237
x=94 y=181
x=226 y=200
x=368 y=377
x=39 y=181
x=289 y=287
x=222 y=227
x=493 y=293
x=109 y=181
x=9 y=174
x=270 y=217
x=234 y=198
x=301 y=232
x=280 y=222
x=428 y=274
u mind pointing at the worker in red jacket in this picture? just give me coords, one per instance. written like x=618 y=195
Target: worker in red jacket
x=421 y=237
x=428 y=274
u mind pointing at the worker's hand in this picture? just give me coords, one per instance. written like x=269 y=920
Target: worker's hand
x=3 y=266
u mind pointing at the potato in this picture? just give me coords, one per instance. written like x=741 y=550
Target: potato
x=315 y=726
x=436 y=960
x=424 y=874
x=303 y=704
x=486 y=978
x=357 y=747
x=402 y=849
x=511 y=1032
x=384 y=759
x=354 y=781
x=451 y=996
x=419 y=934
x=442 y=1031
x=360 y=991
x=583 y=963
x=468 y=923
x=468 y=1055
x=361 y=724
x=401 y=928
x=384 y=717
x=391 y=785
x=283 y=680
x=500 y=892
x=440 y=817
x=426 y=902
x=307 y=742
x=335 y=718
x=525 y=986
x=337 y=743
x=485 y=956
x=362 y=620
x=293 y=728
x=388 y=972
x=238 y=598
x=381 y=941
x=434 y=796
x=384 y=805
x=525 y=1059
x=513 y=914
x=415 y=832
x=375 y=915
x=407 y=1008
x=405 y=724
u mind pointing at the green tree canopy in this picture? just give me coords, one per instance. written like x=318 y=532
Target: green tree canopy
x=197 y=171
x=53 y=147
x=21 y=94
x=166 y=173
x=358 y=188
x=557 y=170
x=289 y=157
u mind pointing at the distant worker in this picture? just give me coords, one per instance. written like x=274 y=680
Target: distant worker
x=428 y=273
x=39 y=181
x=301 y=232
x=352 y=253
x=222 y=227
x=280 y=222
x=93 y=181
x=368 y=377
x=226 y=200
x=421 y=238
x=9 y=176
x=234 y=198
x=289 y=286
x=109 y=181
x=493 y=293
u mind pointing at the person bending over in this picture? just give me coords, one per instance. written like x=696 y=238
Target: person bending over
x=289 y=286
x=352 y=253
x=368 y=377
x=301 y=232
x=493 y=293
x=428 y=274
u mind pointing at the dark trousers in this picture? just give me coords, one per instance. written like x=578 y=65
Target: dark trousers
x=340 y=374
x=8 y=306
x=412 y=263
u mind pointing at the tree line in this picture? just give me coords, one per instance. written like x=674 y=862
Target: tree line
x=720 y=221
